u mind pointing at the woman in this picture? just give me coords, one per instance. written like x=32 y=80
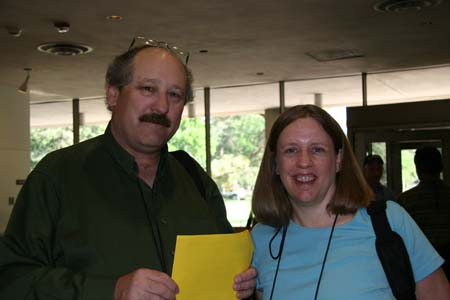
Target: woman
x=314 y=239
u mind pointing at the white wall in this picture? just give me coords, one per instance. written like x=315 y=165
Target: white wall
x=14 y=146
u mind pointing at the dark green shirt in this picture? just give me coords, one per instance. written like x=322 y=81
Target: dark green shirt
x=84 y=218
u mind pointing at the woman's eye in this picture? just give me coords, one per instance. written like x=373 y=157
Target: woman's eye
x=318 y=149
x=290 y=150
x=148 y=88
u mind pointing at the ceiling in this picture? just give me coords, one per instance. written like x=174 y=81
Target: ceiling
x=242 y=39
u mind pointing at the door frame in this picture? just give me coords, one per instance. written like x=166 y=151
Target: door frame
x=400 y=125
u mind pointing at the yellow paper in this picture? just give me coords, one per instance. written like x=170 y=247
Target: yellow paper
x=205 y=265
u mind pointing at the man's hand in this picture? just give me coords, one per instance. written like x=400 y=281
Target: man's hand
x=145 y=284
x=245 y=283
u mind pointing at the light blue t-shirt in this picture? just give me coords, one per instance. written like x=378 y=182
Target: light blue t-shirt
x=352 y=269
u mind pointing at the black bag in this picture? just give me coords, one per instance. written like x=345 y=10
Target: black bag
x=392 y=253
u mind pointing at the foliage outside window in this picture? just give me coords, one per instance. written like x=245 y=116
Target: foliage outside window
x=236 y=148
x=46 y=140
x=409 y=175
x=190 y=137
x=380 y=149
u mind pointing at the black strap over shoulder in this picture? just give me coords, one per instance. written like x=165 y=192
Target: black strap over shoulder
x=392 y=253
x=190 y=165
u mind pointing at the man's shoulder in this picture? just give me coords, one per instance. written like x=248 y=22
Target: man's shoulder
x=408 y=194
x=71 y=155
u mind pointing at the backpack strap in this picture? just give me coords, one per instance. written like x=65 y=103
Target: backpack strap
x=392 y=254
x=190 y=166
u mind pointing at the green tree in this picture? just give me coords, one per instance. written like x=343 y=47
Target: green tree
x=46 y=140
x=239 y=135
x=409 y=175
x=90 y=131
x=190 y=137
x=239 y=143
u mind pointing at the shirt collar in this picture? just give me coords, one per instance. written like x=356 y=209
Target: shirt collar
x=125 y=159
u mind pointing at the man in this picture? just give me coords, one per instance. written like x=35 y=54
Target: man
x=98 y=220
x=373 y=170
x=429 y=202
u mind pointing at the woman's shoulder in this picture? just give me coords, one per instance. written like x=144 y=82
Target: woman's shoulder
x=396 y=213
x=262 y=234
x=262 y=230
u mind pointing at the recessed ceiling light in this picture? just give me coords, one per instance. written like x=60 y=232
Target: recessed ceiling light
x=114 y=18
x=260 y=73
x=14 y=31
x=334 y=54
x=64 y=49
x=426 y=23
x=203 y=51
x=395 y=6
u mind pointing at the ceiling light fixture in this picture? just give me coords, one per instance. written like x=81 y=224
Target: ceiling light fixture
x=14 y=31
x=62 y=27
x=64 y=48
x=396 y=6
x=114 y=18
x=23 y=88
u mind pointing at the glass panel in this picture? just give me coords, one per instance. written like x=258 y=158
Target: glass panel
x=49 y=130
x=408 y=86
x=237 y=143
x=52 y=114
x=326 y=92
x=380 y=149
x=409 y=176
x=339 y=113
x=245 y=99
x=190 y=136
x=94 y=117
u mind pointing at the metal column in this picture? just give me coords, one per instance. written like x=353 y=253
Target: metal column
x=207 y=93
x=76 y=120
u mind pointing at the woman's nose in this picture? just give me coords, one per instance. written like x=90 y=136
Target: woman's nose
x=303 y=159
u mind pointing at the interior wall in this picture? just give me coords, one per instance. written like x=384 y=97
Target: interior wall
x=14 y=147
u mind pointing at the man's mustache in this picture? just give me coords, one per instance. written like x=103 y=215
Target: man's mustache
x=159 y=119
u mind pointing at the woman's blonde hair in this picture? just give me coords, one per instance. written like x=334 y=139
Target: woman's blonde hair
x=270 y=201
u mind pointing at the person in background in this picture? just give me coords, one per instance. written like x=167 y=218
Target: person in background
x=373 y=171
x=99 y=220
x=314 y=238
x=428 y=203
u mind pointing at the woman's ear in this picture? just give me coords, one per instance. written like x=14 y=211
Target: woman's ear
x=339 y=157
x=275 y=164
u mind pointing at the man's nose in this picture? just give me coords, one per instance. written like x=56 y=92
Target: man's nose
x=161 y=104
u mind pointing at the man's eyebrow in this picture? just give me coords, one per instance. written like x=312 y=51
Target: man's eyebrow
x=148 y=80
x=158 y=81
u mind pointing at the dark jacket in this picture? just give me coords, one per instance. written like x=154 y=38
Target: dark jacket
x=84 y=218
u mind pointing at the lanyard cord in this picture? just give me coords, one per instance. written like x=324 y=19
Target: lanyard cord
x=280 y=252
x=278 y=257
x=325 y=257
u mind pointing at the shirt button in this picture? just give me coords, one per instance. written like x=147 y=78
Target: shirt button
x=163 y=221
